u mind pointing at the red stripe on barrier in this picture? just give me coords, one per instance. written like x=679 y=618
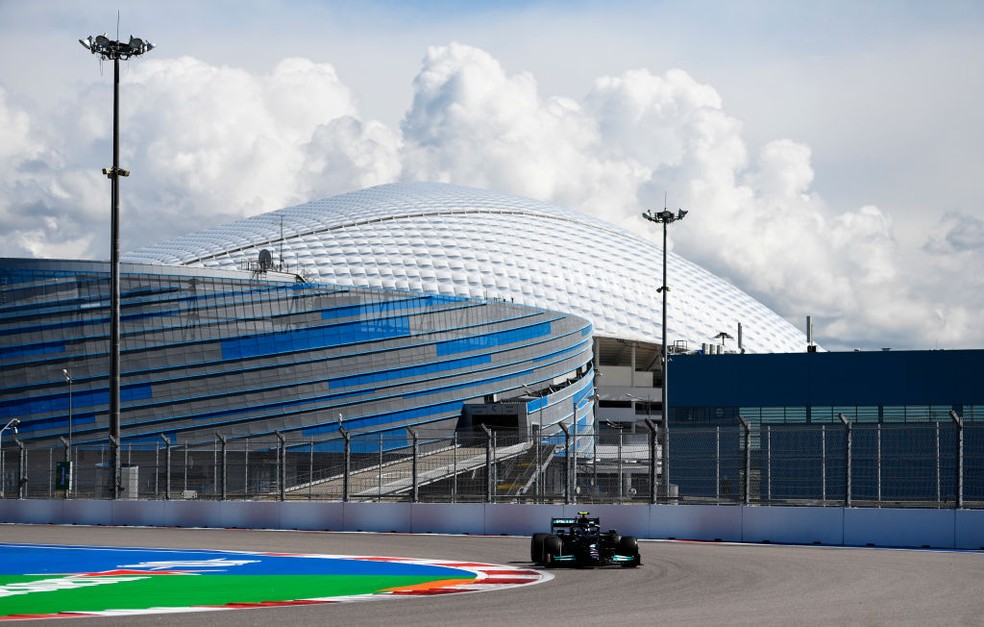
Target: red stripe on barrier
x=430 y=591
x=507 y=581
x=234 y=606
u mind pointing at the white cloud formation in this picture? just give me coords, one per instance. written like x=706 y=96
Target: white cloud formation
x=40 y=207
x=234 y=143
x=208 y=144
x=473 y=124
x=204 y=144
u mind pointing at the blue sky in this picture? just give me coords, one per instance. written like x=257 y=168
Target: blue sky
x=828 y=152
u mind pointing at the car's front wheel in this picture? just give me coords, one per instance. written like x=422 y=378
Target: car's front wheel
x=552 y=547
x=628 y=545
x=537 y=554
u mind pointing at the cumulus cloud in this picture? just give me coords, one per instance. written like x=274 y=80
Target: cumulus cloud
x=956 y=232
x=474 y=124
x=348 y=153
x=946 y=271
x=204 y=144
x=40 y=206
x=242 y=144
x=208 y=144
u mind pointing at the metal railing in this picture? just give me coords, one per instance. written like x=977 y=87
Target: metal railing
x=853 y=464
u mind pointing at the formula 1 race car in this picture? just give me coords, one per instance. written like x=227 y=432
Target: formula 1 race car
x=580 y=542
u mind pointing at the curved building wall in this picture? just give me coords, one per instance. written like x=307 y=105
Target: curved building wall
x=208 y=352
x=446 y=239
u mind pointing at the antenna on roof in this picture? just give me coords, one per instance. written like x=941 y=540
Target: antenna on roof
x=281 y=268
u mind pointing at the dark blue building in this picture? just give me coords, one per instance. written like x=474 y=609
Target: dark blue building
x=901 y=410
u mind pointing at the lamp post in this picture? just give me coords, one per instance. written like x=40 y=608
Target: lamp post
x=12 y=424
x=665 y=217
x=69 y=380
x=116 y=50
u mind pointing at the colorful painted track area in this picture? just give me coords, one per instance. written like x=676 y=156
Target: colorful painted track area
x=53 y=581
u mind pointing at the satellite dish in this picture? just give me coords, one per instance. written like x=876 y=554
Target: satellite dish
x=266 y=260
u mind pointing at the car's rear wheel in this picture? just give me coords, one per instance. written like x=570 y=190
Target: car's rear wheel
x=536 y=547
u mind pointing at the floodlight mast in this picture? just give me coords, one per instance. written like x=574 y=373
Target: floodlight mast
x=665 y=217
x=115 y=50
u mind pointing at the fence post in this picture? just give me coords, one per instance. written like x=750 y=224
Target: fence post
x=847 y=459
x=346 y=461
x=414 y=491
x=567 y=463
x=653 y=435
x=115 y=477
x=454 y=476
x=939 y=476
x=823 y=464
x=68 y=460
x=768 y=462
x=223 y=486
x=157 y=471
x=488 y=463
x=537 y=471
x=22 y=471
x=246 y=469
x=167 y=468
x=747 y=481
x=878 y=465
x=214 y=488
x=281 y=465
x=717 y=463
x=958 y=421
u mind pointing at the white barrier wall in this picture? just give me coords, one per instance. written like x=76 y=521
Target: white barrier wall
x=935 y=528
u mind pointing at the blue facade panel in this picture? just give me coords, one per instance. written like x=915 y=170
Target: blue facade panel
x=211 y=352
x=311 y=339
x=494 y=340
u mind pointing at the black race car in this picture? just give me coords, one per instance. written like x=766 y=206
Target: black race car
x=580 y=542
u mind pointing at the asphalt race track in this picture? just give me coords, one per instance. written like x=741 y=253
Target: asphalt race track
x=679 y=582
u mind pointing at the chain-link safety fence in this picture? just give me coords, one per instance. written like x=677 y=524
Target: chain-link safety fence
x=937 y=465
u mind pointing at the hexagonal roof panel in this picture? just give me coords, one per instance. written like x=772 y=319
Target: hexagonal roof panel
x=448 y=239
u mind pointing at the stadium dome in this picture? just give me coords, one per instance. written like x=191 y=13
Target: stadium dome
x=453 y=240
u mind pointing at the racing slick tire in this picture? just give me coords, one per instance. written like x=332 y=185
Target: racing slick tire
x=628 y=545
x=552 y=547
x=537 y=556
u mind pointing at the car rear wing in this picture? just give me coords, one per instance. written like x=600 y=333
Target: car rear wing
x=566 y=523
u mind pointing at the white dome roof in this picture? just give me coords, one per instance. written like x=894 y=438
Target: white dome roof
x=447 y=239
